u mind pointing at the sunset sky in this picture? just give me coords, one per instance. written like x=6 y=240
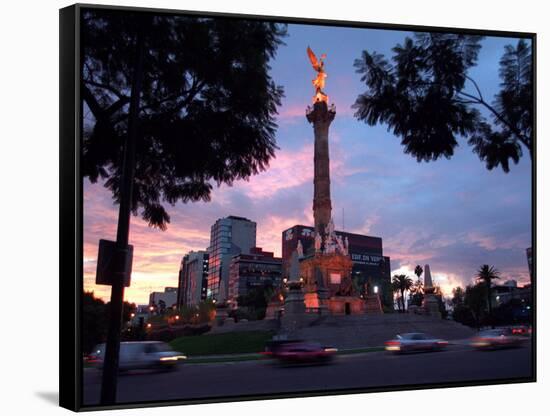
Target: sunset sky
x=453 y=214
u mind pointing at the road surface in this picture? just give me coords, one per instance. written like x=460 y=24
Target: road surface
x=376 y=369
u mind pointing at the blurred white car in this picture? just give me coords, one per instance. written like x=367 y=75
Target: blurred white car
x=415 y=341
x=140 y=355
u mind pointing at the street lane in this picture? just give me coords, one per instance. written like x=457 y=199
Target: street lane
x=195 y=381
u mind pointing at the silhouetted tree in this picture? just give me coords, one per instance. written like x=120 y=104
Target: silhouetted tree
x=485 y=275
x=474 y=300
x=205 y=112
x=401 y=283
x=458 y=296
x=417 y=290
x=427 y=98
x=94 y=321
x=256 y=300
x=418 y=270
x=206 y=310
x=416 y=293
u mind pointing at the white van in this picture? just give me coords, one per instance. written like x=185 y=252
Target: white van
x=140 y=355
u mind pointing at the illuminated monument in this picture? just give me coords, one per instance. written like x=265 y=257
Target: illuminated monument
x=430 y=303
x=326 y=267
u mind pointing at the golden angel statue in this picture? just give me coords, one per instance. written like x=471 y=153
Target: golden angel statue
x=319 y=81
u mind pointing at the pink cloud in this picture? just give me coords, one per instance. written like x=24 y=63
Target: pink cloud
x=292 y=114
x=157 y=254
x=493 y=243
x=289 y=169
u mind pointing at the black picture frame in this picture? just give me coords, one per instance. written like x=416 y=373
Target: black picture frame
x=71 y=206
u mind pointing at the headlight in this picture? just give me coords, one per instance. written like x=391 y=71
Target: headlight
x=173 y=358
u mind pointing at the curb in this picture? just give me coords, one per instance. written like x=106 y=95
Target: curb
x=258 y=356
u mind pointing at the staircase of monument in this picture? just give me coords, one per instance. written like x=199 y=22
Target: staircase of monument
x=373 y=304
x=372 y=330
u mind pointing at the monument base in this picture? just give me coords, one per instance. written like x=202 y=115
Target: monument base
x=328 y=286
x=274 y=310
x=294 y=302
x=294 y=309
x=430 y=305
x=316 y=303
x=346 y=305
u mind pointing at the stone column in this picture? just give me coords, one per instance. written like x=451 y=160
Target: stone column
x=294 y=308
x=428 y=283
x=321 y=116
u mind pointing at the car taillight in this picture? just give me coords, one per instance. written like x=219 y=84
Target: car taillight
x=392 y=343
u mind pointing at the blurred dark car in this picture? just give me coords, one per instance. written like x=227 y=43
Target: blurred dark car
x=139 y=355
x=299 y=352
x=414 y=341
x=497 y=338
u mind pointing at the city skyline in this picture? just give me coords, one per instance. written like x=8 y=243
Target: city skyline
x=453 y=214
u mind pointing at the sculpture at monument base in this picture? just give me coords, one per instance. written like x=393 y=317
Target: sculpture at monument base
x=328 y=285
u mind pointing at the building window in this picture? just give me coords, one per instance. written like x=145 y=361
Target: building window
x=335 y=278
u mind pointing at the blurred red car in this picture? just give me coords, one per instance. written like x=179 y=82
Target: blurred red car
x=496 y=338
x=299 y=352
x=521 y=330
x=414 y=342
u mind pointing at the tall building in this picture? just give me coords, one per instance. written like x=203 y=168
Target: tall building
x=369 y=264
x=193 y=278
x=257 y=269
x=169 y=297
x=228 y=237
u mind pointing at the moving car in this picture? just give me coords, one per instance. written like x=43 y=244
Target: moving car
x=521 y=330
x=496 y=338
x=415 y=341
x=140 y=355
x=299 y=352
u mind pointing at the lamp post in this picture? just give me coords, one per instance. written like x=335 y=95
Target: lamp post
x=112 y=346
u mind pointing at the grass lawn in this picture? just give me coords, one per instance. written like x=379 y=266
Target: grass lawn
x=229 y=343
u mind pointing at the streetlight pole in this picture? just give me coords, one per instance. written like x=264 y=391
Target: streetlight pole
x=112 y=348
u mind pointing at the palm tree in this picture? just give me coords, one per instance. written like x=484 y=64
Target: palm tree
x=485 y=275
x=401 y=283
x=416 y=295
